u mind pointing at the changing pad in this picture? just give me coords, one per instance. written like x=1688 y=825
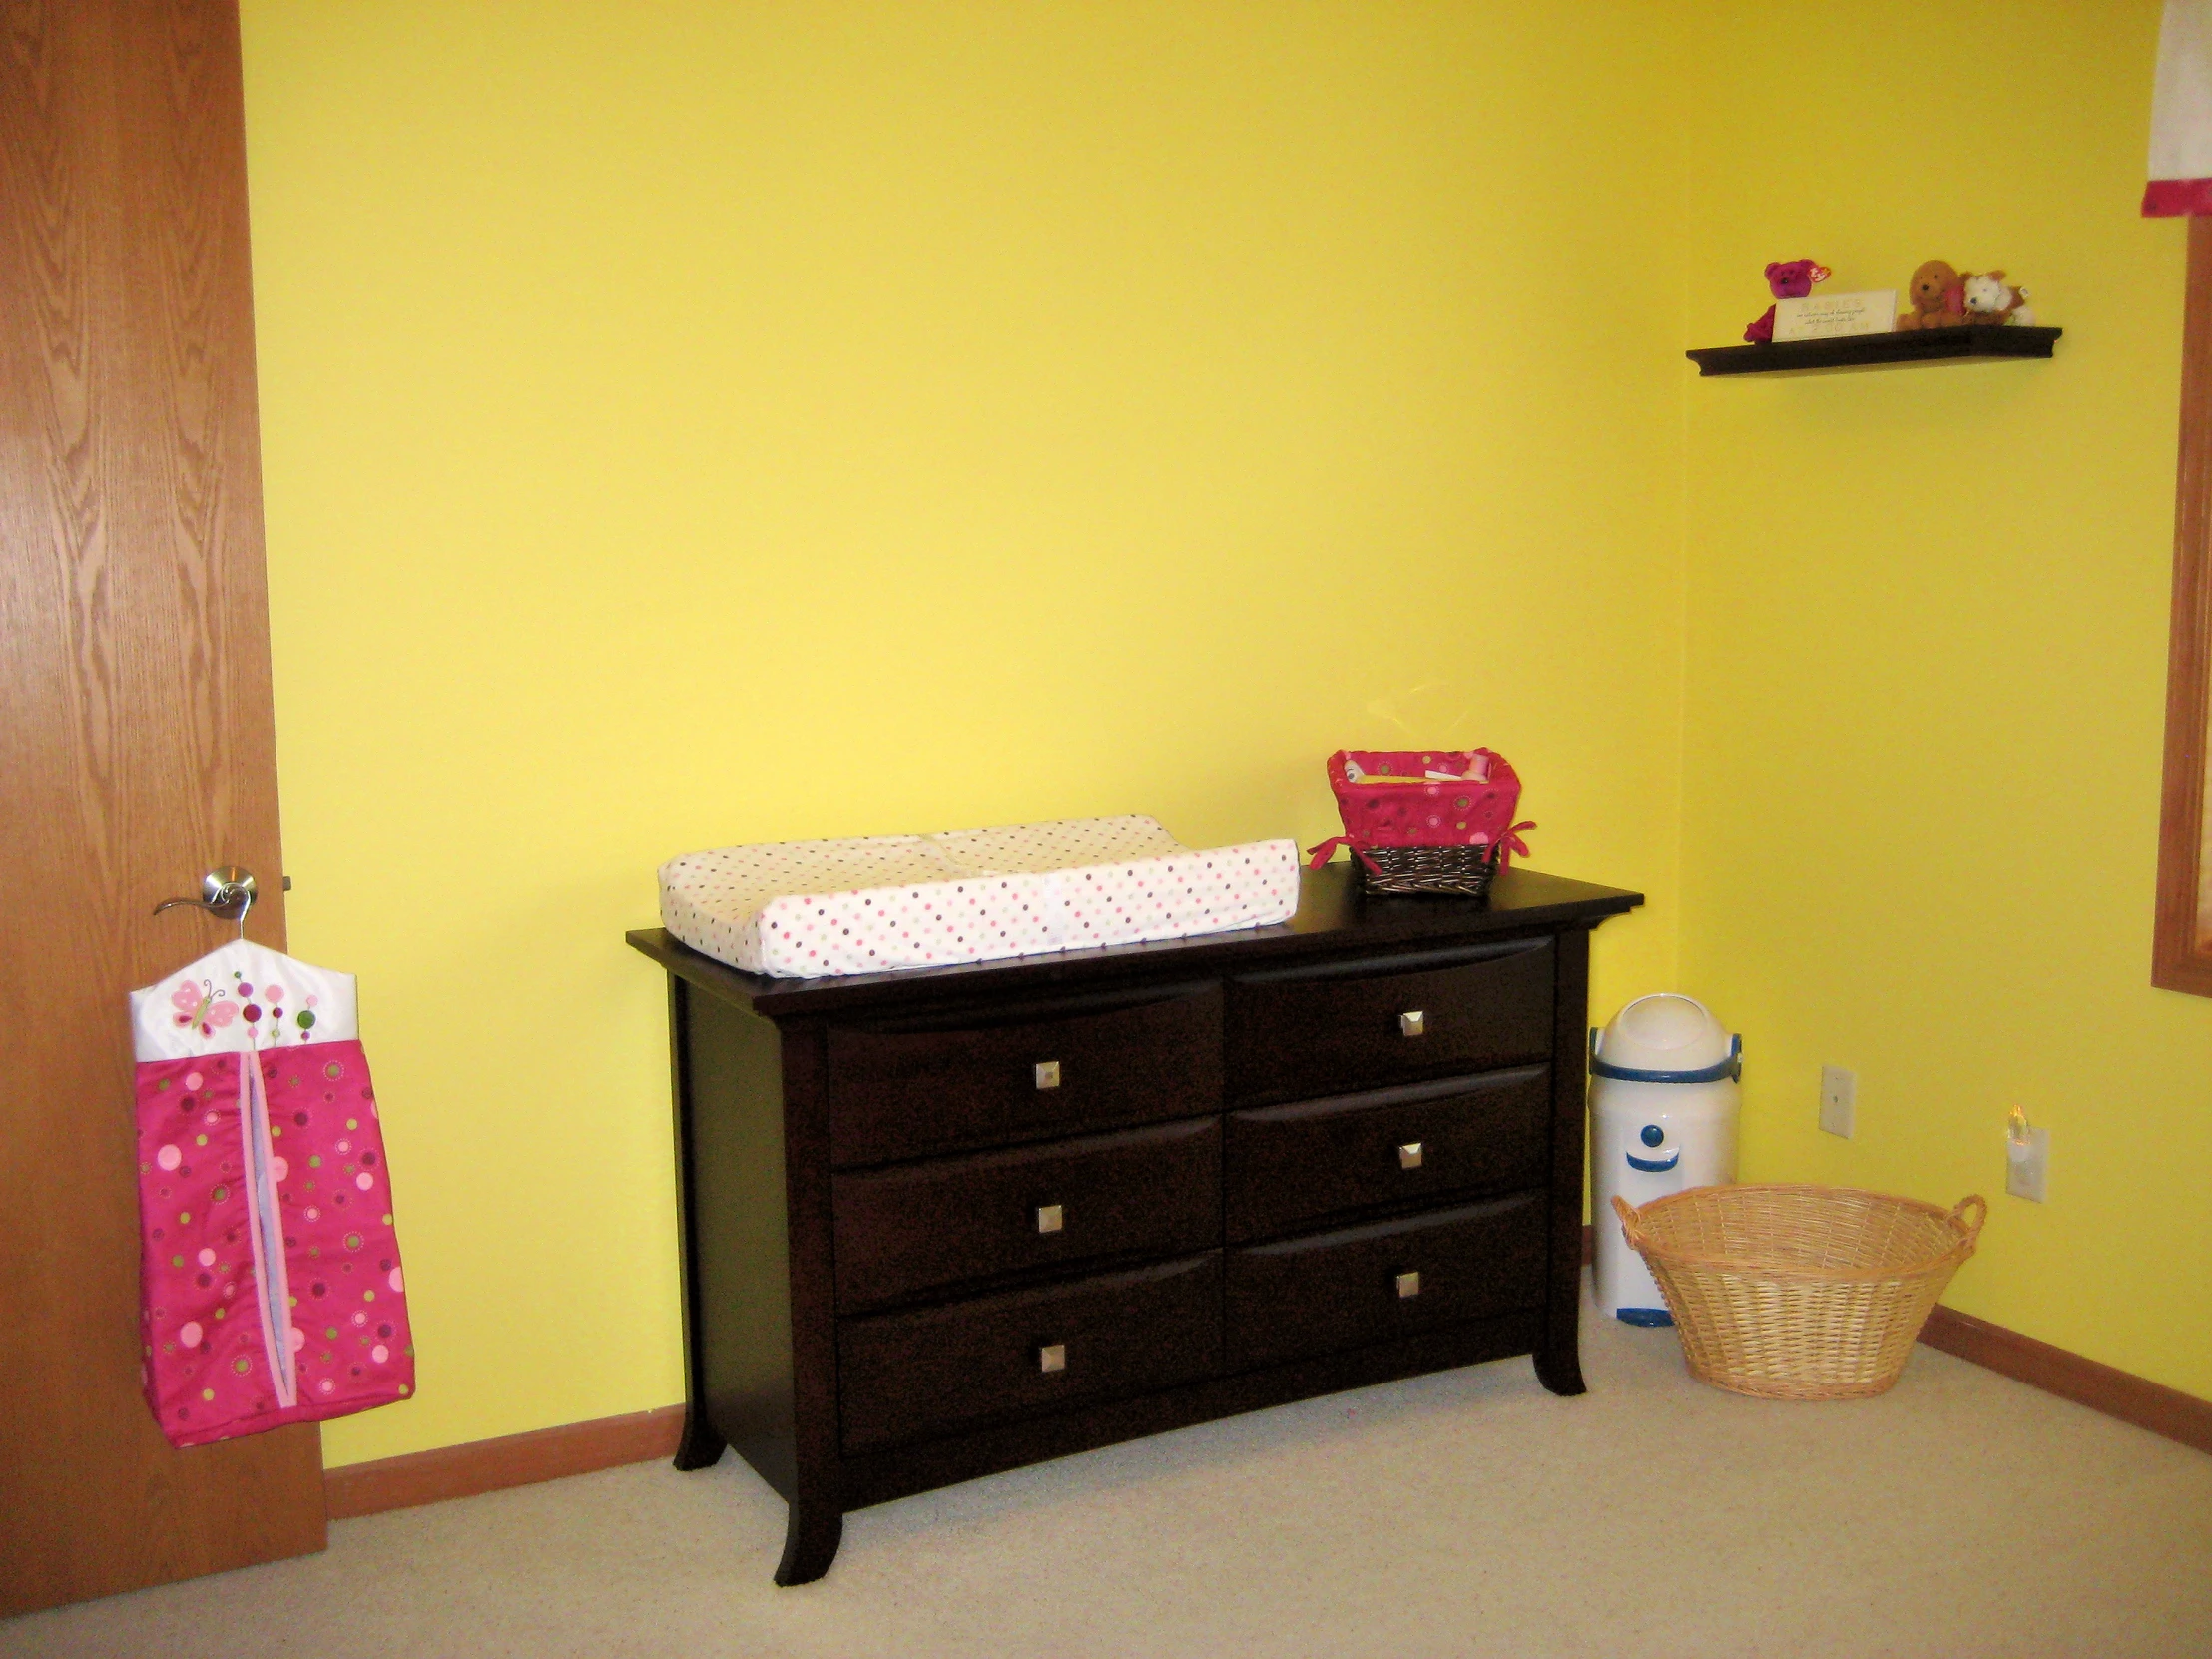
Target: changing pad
x=802 y=909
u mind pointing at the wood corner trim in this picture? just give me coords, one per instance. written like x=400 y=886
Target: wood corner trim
x=2101 y=1387
x=510 y=1460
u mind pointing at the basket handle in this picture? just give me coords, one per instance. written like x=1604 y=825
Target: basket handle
x=1980 y=1215
x=1627 y=1212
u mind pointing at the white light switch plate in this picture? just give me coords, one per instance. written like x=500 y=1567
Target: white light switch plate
x=1839 y=1100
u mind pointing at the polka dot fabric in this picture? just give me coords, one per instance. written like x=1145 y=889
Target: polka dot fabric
x=1473 y=806
x=272 y=1286
x=803 y=909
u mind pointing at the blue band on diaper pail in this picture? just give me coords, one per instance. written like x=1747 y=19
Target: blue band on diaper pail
x=1731 y=1068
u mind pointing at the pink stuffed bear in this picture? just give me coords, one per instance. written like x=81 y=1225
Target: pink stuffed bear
x=1785 y=279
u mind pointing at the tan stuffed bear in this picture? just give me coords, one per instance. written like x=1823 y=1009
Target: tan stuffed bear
x=1939 y=296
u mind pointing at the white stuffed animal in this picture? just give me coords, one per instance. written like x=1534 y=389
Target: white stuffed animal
x=1991 y=304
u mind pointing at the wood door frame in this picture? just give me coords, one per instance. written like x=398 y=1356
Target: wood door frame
x=2181 y=957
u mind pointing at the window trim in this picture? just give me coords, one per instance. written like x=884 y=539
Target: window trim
x=2181 y=958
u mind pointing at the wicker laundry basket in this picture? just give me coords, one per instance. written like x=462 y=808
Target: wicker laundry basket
x=1800 y=1293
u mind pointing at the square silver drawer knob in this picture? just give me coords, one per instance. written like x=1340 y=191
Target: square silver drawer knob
x=1409 y=1285
x=1408 y=1155
x=1048 y=1218
x=1413 y=1024
x=1053 y=1356
x=1048 y=1074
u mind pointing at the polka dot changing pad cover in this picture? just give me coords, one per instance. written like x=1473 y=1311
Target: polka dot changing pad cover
x=803 y=909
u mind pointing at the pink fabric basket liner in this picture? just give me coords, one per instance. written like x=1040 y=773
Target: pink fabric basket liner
x=1457 y=811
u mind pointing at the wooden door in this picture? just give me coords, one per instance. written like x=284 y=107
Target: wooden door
x=137 y=750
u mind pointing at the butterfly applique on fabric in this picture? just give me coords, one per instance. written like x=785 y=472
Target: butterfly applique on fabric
x=202 y=1005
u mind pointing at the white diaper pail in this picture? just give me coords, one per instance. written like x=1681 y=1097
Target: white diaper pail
x=1664 y=1098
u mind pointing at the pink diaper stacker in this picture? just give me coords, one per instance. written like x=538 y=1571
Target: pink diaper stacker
x=270 y=1286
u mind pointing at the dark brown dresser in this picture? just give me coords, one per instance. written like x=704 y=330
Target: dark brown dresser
x=940 y=1223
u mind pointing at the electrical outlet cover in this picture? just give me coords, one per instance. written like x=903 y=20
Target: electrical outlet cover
x=1839 y=1100
x=2027 y=1167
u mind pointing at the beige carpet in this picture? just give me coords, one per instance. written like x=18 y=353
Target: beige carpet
x=1466 y=1514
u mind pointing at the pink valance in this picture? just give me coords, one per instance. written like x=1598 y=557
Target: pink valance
x=2181 y=114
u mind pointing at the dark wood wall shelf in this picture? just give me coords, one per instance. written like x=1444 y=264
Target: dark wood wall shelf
x=1826 y=356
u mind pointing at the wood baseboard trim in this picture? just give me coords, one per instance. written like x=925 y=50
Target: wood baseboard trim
x=510 y=1460
x=2058 y=1371
x=642 y=1436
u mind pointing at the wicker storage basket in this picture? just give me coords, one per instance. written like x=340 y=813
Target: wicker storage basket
x=1800 y=1293
x=1460 y=871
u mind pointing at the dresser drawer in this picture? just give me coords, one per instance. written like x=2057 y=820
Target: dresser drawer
x=1345 y=1288
x=907 y=1376
x=916 y=1088
x=1292 y=1166
x=1367 y=1024
x=914 y=1227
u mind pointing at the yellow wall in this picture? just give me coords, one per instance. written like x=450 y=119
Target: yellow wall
x=701 y=423
x=1927 y=655
x=709 y=422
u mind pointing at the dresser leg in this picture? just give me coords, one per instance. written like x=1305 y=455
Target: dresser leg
x=1561 y=1369
x=811 y=1541
x=701 y=1448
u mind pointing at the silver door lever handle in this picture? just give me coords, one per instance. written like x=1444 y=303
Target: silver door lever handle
x=227 y=893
